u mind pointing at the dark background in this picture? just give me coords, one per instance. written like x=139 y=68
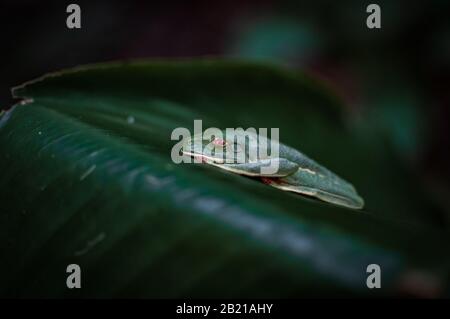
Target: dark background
x=394 y=81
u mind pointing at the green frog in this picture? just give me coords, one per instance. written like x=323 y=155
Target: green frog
x=288 y=170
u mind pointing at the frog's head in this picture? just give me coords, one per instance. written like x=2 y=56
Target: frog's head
x=216 y=148
x=238 y=151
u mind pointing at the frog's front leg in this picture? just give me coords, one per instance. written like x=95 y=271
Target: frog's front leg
x=275 y=167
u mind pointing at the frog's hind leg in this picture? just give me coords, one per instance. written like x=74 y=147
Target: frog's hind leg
x=354 y=202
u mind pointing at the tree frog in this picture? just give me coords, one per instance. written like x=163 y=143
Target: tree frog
x=295 y=171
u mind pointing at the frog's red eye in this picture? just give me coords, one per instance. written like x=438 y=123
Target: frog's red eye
x=219 y=142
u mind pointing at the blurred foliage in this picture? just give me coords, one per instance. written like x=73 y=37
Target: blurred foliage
x=277 y=39
x=86 y=185
x=394 y=82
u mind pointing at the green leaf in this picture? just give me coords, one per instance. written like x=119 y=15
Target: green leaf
x=87 y=178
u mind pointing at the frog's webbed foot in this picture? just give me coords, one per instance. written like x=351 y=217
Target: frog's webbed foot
x=275 y=167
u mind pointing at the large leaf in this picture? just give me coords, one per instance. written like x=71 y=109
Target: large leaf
x=87 y=178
